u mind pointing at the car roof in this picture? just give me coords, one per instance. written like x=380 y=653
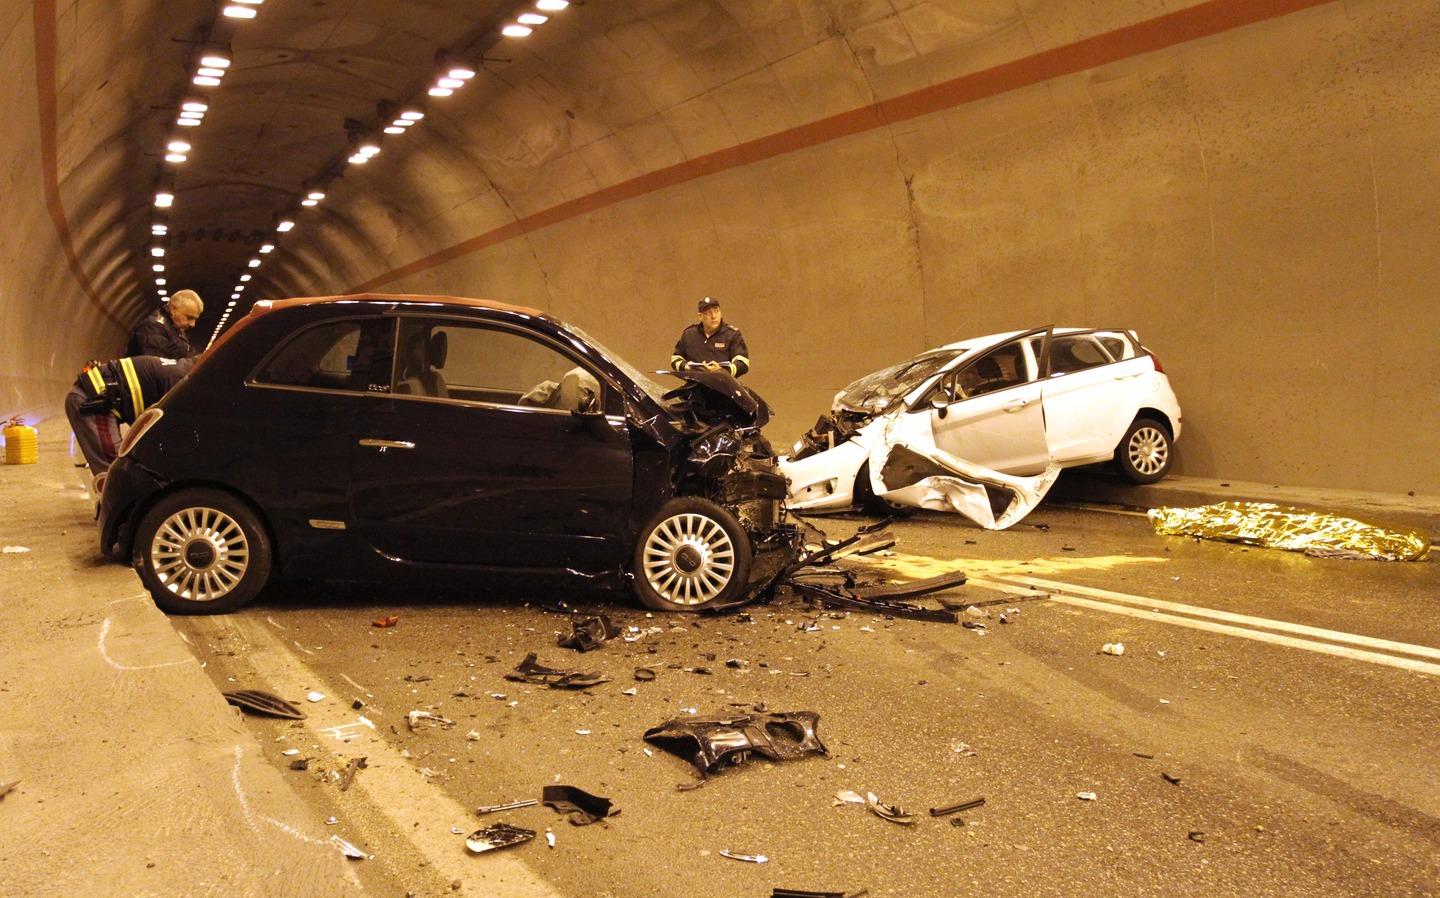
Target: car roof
x=976 y=342
x=402 y=298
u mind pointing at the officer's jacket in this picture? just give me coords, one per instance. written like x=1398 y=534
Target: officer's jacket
x=725 y=346
x=158 y=335
x=128 y=386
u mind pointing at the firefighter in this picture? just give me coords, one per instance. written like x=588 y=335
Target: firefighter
x=108 y=394
x=711 y=343
x=166 y=331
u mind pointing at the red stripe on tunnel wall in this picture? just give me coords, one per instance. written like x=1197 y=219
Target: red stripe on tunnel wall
x=1202 y=20
x=43 y=14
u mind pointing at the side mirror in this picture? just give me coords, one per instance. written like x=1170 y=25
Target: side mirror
x=940 y=402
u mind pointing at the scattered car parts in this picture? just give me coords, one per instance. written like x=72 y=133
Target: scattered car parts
x=889 y=812
x=712 y=743
x=588 y=633
x=508 y=806
x=259 y=702
x=531 y=671
x=957 y=808
x=579 y=806
x=748 y=858
x=497 y=835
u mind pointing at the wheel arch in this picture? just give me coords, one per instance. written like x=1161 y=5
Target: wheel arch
x=1156 y=415
x=139 y=510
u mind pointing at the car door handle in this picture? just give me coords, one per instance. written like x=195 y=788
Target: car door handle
x=1016 y=405
x=1128 y=376
x=383 y=445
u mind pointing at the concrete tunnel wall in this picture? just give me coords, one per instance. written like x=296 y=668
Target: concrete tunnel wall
x=1250 y=185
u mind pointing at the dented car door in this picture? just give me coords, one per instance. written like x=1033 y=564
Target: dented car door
x=988 y=411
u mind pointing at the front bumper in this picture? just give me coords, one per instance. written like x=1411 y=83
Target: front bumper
x=127 y=490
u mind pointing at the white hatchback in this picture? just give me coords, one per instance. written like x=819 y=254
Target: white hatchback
x=1009 y=405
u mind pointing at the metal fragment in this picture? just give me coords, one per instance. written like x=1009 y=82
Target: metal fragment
x=889 y=812
x=957 y=808
x=508 y=806
x=267 y=703
x=497 y=835
x=748 y=858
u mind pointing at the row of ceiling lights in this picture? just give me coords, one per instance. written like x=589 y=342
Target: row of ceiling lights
x=212 y=65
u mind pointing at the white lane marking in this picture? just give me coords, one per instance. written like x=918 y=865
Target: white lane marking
x=1404 y=648
x=368 y=693
x=1324 y=648
x=105 y=634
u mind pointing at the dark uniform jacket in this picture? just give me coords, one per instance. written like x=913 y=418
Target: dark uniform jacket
x=158 y=335
x=128 y=386
x=725 y=346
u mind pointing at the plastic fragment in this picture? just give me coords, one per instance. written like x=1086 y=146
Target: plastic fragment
x=385 y=622
x=1086 y=796
x=290 y=751
x=497 y=835
x=531 y=671
x=588 y=633
x=269 y=704
x=415 y=719
x=7 y=788
x=1196 y=835
x=579 y=806
x=1170 y=778
x=1113 y=648
x=889 y=812
x=315 y=696
x=15 y=550
x=748 y=858
x=550 y=838
x=845 y=796
x=347 y=849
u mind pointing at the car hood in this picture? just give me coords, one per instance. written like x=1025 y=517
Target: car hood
x=716 y=397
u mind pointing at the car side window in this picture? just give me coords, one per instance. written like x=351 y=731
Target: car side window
x=349 y=356
x=451 y=359
x=996 y=370
x=1076 y=353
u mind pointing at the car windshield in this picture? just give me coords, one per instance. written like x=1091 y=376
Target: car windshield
x=875 y=390
x=642 y=380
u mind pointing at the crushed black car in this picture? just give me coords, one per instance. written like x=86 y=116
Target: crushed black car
x=385 y=438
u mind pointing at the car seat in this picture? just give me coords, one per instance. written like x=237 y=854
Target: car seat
x=421 y=359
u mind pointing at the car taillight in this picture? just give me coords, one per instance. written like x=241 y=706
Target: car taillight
x=148 y=419
x=1156 y=359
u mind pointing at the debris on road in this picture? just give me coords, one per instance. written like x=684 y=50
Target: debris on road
x=579 y=806
x=710 y=743
x=748 y=858
x=1196 y=835
x=1113 y=648
x=1086 y=796
x=300 y=764
x=386 y=622
x=269 y=704
x=957 y=808
x=315 y=696
x=1271 y=526
x=645 y=674
x=842 y=597
x=550 y=838
x=15 y=550
x=497 y=835
x=508 y=806
x=7 y=788
x=472 y=736
x=347 y=849
x=355 y=766
x=846 y=796
x=1170 y=778
x=530 y=671
x=417 y=718
x=806 y=893
x=588 y=633
x=889 y=812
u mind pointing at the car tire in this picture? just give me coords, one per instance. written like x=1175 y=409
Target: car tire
x=866 y=500
x=691 y=555
x=201 y=551
x=1145 y=452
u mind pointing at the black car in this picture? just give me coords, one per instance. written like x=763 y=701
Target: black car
x=378 y=438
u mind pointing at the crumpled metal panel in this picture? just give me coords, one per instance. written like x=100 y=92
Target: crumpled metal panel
x=1272 y=526
x=710 y=743
x=931 y=478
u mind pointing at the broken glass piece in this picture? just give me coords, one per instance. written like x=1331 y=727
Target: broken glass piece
x=588 y=633
x=269 y=704
x=529 y=671
x=887 y=811
x=710 y=743
x=581 y=807
x=497 y=835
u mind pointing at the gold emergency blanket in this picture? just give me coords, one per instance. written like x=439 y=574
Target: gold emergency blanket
x=1269 y=525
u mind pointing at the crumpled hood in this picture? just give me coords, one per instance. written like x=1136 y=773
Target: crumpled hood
x=716 y=397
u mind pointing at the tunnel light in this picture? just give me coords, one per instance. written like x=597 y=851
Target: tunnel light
x=239 y=12
x=412 y=115
x=245 y=277
x=284 y=225
x=530 y=18
x=368 y=148
x=394 y=129
x=191 y=116
x=516 y=31
x=403 y=123
x=175 y=158
x=309 y=202
x=359 y=159
x=210 y=72
x=316 y=195
x=157 y=267
x=239 y=288
x=254 y=263
x=159 y=230
x=188 y=122
x=551 y=5
x=157 y=251
x=452 y=83
x=440 y=91
x=195 y=106
x=267 y=248
x=202 y=81
x=460 y=72
x=178 y=146
x=160 y=282
x=163 y=199
x=216 y=58
x=163 y=292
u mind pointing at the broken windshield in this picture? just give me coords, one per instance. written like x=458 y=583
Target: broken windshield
x=654 y=390
x=874 y=392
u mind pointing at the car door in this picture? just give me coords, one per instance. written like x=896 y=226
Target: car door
x=496 y=448
x=989 y=411
x=286 y=440
x=1093 y=384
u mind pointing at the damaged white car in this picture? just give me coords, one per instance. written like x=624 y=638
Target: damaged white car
x=984 y=426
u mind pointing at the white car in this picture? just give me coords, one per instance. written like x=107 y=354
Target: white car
x=983 y=426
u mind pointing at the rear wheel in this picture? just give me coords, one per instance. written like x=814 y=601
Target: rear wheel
x=866 y=500
x=202 y=552
x=1145 y=451
x=691 y=555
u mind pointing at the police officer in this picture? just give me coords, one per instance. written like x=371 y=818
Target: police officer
x=711 y=343
x=164 y=333
x=107 y=394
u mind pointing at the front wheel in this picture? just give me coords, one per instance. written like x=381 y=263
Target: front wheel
x=691 y=555
x=202 y=552
x=1145 y=451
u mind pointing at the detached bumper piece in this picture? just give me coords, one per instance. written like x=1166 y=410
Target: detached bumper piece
x=579 y=806
x=268 y=704
x=588 y=633
x=713 y=743
x=531 y=671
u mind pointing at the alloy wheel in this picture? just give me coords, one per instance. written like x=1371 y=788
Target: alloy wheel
x=1148 y=450
x=200 y=554
x=688 y=559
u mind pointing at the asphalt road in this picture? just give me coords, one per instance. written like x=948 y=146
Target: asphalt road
x=1272 y=727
